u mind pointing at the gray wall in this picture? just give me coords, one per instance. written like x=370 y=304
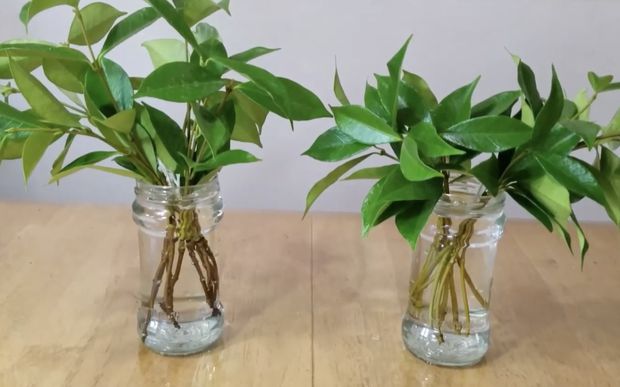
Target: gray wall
x=454 y=41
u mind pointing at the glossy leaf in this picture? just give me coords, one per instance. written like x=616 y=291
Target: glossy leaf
x=364 y=126
x=97 y=19
x=496 y=105
x=489 y=134
x=341 y=96
x=180 y=82
x=13 y=118
x=334 y=145
x=168 y=136
x=572 y=174
x=34 y=149
x=216 y=129
x=164 y=51
x=413 y=168
x=372 y=102
x=122 y=122
x=38 y=6
x=99 y=101
x=175 y=19
x=527 y=81
x=422 y=88
x=372 y=173
x=41 y=100
x=530 y=205
x=280 y=95
x=128 y=27
x=60 y=160
x=559 y=141
x=430 y=143
x=88 y=159
x=249 y=120
x=527 y=115
x=412 y=221
x=553 y=196
x=455 y=108
x=330 y=179
x=488 y=173
x=584 y=246
x=582 y=100
x=223 y=159
x=68 y=75
x=40 y=50
x=551 y=111
x=119 y=84
x=587 y=130
x=114 y=171
x=395 y=67
x=24 y=14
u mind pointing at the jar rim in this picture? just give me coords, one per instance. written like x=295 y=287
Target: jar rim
x=178 y=194
x=468 y=196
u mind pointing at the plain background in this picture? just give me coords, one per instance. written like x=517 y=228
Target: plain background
x=454 y=41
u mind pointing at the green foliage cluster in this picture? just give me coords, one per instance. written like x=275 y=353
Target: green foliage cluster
x=109 y=105
x=527 y=144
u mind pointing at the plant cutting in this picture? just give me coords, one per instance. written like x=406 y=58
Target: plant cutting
x=176 y=164
x=449 y=166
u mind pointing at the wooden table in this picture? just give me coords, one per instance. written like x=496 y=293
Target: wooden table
x=307 y=304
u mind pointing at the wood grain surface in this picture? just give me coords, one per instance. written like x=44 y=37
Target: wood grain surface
x=307 y=304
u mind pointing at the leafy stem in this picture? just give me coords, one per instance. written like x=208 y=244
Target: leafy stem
x=586 y=106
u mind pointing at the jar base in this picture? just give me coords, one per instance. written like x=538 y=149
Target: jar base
x=455 y=351
x=193 y=337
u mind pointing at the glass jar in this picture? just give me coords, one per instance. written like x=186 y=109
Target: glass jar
x=179 y=307
x=447 y=318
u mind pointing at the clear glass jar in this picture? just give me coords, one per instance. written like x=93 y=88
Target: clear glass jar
x=180 y=311
x=447 y=318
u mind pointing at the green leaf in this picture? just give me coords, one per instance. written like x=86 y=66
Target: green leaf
x=455 y=108
x=412 y=167
x=34 y=148
x=430 y=143
x=530 y=205
x=12 y=145
x=227 y=158
x=216 y=129
x=169 y=139
x=175 y=19
x=582 y=100
x=38 y=6
x=24 y=14
x=599 y=84
x=88 y=159
x=197 y=10
x=584 y=246
x=205 y=32
x=611 y=132
x=489 y=134
x=12 y=118
x=392 y=188
x=42 y=102
x=560 y=141
x=488 y=173
x=585 y=129
x=527 y=81
x=68 y=75
x=527 y=115
x=334 y=145
x=282 y=96
x=498 y=104
x=372 y=101
x=372 y=173
x=249 y=119
x=252 y=53
x=395 y=67
x=180 y=82
x=551 y=111
x=60 y=160
x=128 y=27
x=572 y=174
x=339 y=90
x=114 y=171
x=330 y=179
x=98 y=19
x=421 y=88
x=164 y=51
x=364 y=126
x=609 y=180
x=553 y=197
x=122 y=122
x=412 y=221
x=28 y=64
x=119 y=83
x=40 y=50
